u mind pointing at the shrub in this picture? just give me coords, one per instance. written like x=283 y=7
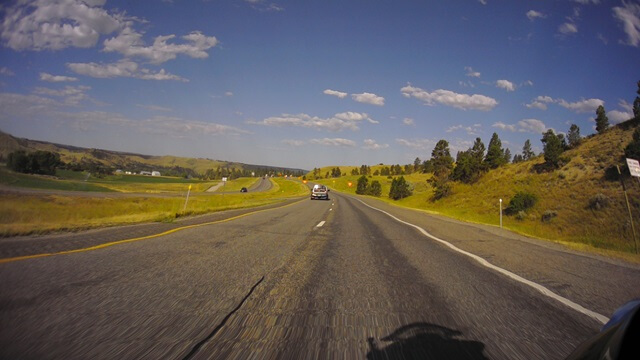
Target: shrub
x=441 y=186
x=38 y=162
x=611 y=173
x=521 y=201
x=399 y=189
x=600 y=201
x=376 y=188
x=548 y=215
x=521 y=215
x=363 y=185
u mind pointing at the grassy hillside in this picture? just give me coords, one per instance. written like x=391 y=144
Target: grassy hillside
x=23 y=214
x=123 y=160
x=567 y=192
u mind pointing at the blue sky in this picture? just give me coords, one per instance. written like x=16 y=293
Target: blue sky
x=312 y=83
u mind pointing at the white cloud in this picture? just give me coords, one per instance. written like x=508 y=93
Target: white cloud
x=503 y=126
x=629 y=16
x=544 y=98
x=537 y=105
x=45 y=109
x=371 y=144
x=44 y=24
x=122 y=68
x=178 y=127
x=333 y=142
x=506 y=84
x=264 y=6
x=6 y=71
x=532 y=15
x=346 y=120
x=339 y=94
x=26 y=106
x=586 y=2
x=483 y=2
x=526 y=125
x=450 y=98
x=56 y=78
x=368 y=98
x=293 y=142
x=466 y=84
x=532 y=125
x=72 y=95
x=408 y=121
x=155 y=108
x=568 y=28
x=625 y=105
x=228 y=93
x=582 y=106
x=471 y=73
x=129 y=43
x=471 y=130
x=418 y=144
x=617 y=116
x=540 y=103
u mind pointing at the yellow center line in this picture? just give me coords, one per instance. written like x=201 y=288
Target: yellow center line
x=105 y=245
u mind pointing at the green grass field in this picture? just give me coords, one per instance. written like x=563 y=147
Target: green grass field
x=67 y=180
x=9 y=178
x=22 y=214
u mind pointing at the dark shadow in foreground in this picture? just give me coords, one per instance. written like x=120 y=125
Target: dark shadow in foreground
x=425 y=341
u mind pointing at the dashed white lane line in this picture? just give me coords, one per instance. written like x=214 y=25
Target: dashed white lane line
x=320 y=224
x=577 y=307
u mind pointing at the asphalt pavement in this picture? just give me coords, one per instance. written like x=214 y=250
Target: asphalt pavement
x=305 y=280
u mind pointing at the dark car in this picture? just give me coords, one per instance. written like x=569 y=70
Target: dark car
x=244 y=189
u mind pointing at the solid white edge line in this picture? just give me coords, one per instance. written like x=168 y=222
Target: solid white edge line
x=594 y=315
x=320 y=224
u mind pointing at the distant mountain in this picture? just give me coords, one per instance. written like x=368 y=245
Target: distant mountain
x=135 y=162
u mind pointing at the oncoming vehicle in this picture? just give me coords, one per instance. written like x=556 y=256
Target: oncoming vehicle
x=244 y=189
x=319 y=192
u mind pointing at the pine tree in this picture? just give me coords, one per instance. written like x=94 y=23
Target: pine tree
x=477 y=153
x=574 y=136
x=602 y=121
x=441 y=160
x=363 y=185
x=464 y=168
x=469 y=164
x=376 y=188
x=527 y=153
x=495 y=153
x=552 y=148
x=399 y=188
x=636 y=103
x=507 y=155
x=416 y=164
x=632 y=151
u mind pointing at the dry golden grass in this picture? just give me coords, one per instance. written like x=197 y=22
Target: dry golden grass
x=566 y=191
x=28 y=214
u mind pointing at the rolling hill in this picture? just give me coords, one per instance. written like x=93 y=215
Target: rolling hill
x=133 y=162
x=566 y=195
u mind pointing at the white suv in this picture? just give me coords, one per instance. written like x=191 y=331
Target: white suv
x=320 y=192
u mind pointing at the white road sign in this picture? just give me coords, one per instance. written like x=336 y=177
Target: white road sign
x=224 y=179
x=634 y=167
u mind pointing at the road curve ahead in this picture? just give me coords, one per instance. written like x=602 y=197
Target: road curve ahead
x=313 y=279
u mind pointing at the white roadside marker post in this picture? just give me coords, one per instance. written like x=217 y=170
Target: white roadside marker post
x=500 y=213
x=187 y=200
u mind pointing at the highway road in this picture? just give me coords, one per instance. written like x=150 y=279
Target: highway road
x=334 y=279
